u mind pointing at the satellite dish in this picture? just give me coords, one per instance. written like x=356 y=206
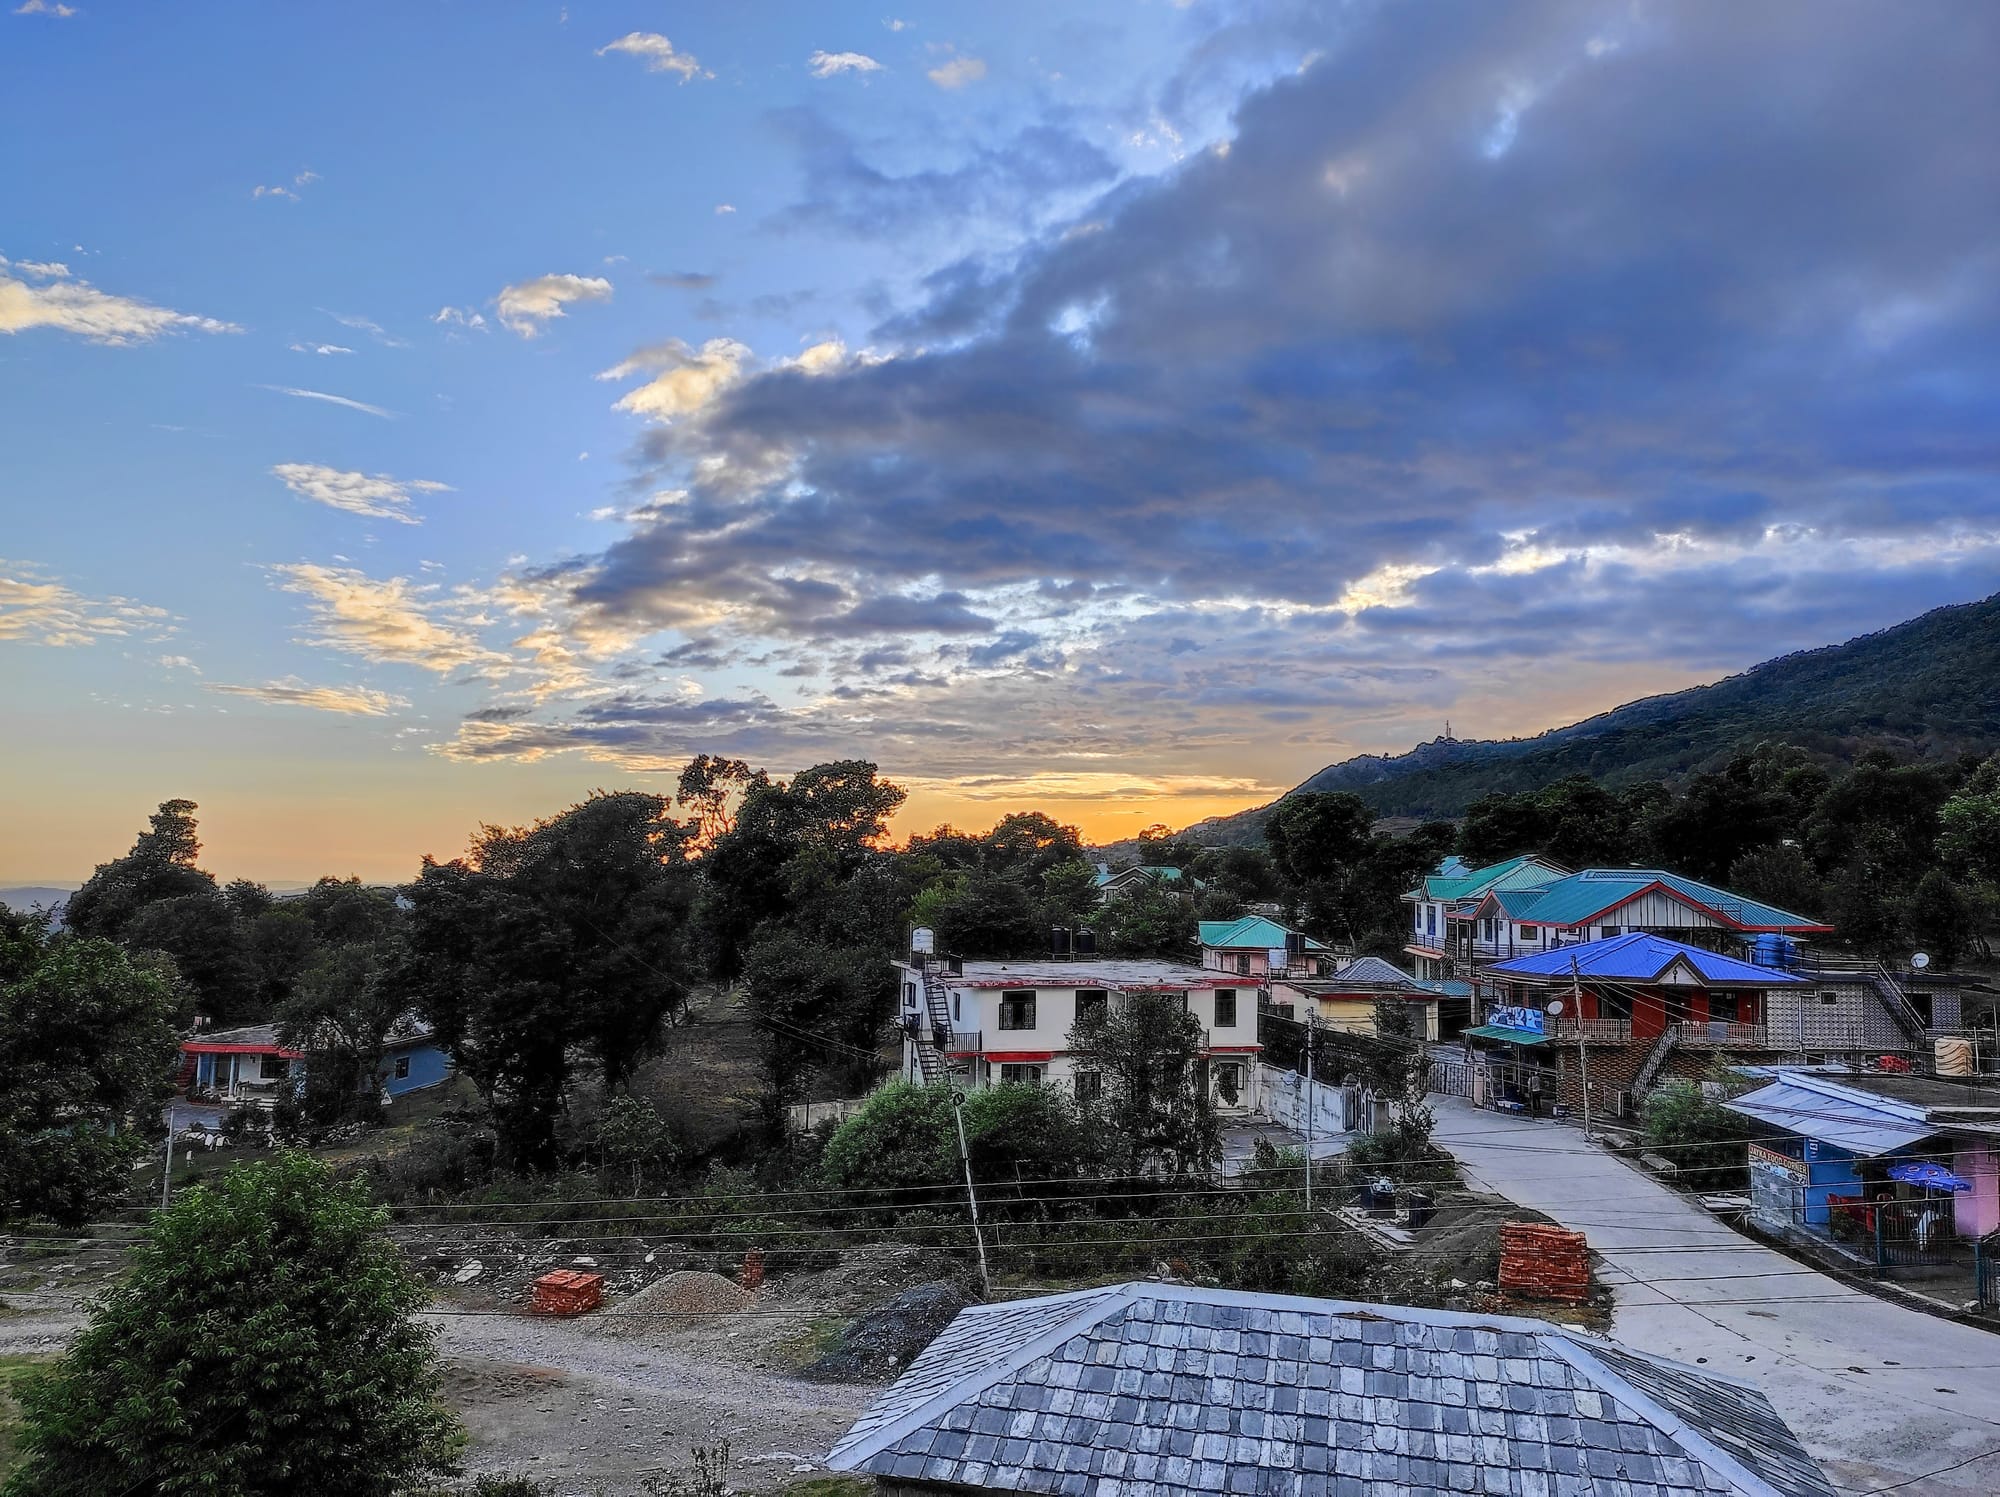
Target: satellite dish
x=1556 y=1007
x=1921 y=960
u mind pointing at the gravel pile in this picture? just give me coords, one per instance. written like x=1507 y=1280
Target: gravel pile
x=689 y=1292
x=882 y=1342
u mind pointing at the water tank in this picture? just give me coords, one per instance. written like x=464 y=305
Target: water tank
x=1059 y=940
x=1954 y=1057
x=1295 y=943
x=1086 y=942
x=923 y=940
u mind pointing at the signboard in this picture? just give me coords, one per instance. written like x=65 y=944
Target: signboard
x=1762 y=1158
x=1504 y=1017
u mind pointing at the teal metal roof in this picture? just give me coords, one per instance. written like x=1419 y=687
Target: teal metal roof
x=1452 y=888
x=1159 y=873
x=1510 y=1036
x=1250 y=931
x=1579 y=898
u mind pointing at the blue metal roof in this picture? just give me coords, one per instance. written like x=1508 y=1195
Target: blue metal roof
x=1640 y=957
x=1813 y=1107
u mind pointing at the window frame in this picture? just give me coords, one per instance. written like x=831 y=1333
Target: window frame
x=1220 y=995
x=1014 y=1000
x=1020 y=1070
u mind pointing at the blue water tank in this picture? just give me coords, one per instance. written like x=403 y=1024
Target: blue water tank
x=1774 y=950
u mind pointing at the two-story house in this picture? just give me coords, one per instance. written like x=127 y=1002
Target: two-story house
x=982 y=1023
x=1443 y=904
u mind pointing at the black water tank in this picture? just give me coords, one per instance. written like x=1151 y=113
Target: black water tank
x=955 y=965
x=1295 y=943
x=1086 y=941
x=1059 y=940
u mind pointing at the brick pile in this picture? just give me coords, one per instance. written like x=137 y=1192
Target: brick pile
x=1544 y=1262
x=568 y=1293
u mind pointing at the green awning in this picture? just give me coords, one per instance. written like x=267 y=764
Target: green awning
x=1510 y=1036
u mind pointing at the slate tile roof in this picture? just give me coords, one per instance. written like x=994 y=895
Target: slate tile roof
x=1152 y=1390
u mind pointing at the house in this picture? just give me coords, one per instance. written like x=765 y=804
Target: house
x=1853 y=1152
x=1168 y=1390
x=1115 y=885
x=1646 y=1006
x=1345 y=995
x=1442 y=908
x=1464 y=918
x=1257 y=947
x=980 y=1023
x=249 y=1065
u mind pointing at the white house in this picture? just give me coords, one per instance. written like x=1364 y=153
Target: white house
x=991 y=1022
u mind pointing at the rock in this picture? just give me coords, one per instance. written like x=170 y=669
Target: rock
x=470 y=1272
x=883 y=1340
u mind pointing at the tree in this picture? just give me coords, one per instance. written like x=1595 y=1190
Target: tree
x=573 y=934
x=1152 y=1097
x=820 y=1008
x=1940 y=919
x=1153 y=920
x=1780 y=875
x=200 y=932
x=87 y=1046
x=161 y=865
x=262 y=1344
x=1319 y=842
x=903 y=1139
x=1969 y=838
x=282 y=944
x=342 y=1013
x=1702 y=1137
x=1030 y=844
x=982 y=915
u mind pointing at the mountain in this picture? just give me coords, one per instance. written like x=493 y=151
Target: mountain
x=27 y=896
x=1929 y=687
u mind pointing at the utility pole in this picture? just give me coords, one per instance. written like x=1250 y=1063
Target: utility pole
x=167 y=1175
x=1582 y=1043
x=971 y=1197
x=1312 y=1109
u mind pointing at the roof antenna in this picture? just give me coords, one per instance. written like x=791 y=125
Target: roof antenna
x=1447 y=730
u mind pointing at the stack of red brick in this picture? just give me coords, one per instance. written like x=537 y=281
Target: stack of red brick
x=565 y=1292
x=1544 y=1262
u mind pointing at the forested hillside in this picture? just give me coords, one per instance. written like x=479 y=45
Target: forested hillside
x=1928 y=688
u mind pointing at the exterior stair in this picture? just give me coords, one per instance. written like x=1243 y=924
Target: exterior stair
x=932 y=1037
x=1656 y=1057
x=1891 y=994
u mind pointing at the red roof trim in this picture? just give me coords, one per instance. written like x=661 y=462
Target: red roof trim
x=1234 y=1049
x=200 y=1047
x=1018 y=1057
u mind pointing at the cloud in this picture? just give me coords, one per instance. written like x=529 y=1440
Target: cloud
x=373 y=329
x=354 y=701
x=352 y=405
x=74 y=306
x=319 y=348
x=391 y=621
x=658 y=54
x=51 y=8
x=722 y=208
x=827 y=64
x=179 y=663
x=274 y=192
x=526 y=305
x=379 y=496
x=683 y=280
x=957 y=72
x=684 y=379
x=37 y=609
x=1293 y=449
x=457 y=317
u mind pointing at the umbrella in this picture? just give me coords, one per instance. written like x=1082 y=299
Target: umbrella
x=1936 y=1176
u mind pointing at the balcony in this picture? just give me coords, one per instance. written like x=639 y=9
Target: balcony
x=964 y=1042
x=1594 y=1031
x=1720 y=1035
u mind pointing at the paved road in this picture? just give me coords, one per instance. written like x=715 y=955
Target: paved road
x=1880 y=1394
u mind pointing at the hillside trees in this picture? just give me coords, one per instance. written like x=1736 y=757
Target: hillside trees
x=997 y=894
x=86 y=1045
x=263 y=1343
x=1342 y=881
x=571 y=935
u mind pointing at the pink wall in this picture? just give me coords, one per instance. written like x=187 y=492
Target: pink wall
x=1977 y=1211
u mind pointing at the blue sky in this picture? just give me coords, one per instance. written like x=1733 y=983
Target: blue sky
x=1122 y=408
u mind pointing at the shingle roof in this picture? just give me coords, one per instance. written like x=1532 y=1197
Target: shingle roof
x=1372 y=969
x=1579 y=897
x=1154 y=1390
x=1250 y=930
x=1640 y=957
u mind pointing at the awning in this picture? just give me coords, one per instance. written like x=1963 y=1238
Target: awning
x=1932 y=1176
x=1020 y=1057
x=1867 y=1126
x=1507 y=1036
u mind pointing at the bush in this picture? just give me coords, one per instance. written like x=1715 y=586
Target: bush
x=1702 y=1137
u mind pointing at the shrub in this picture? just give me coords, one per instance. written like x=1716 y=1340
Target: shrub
x=1702 y=1137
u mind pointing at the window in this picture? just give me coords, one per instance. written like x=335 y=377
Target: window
x=1606 y=932
x=1418 y=915
x=909 y=995
x=1431 y=919
x=1089 y=1086
x=274 y=1068
x=1225 y=1008
x=1021 y=1075
x=1242 y=964
x=954 y=1006
x=1829 y=996
x=1091 y=1003
x=1017 y=1010
x=1525 y=932
x=1228 y=1077
x=402 y=1068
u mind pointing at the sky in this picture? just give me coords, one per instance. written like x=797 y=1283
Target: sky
x=418 y=414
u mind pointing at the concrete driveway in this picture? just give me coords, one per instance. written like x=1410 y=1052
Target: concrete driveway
x=1880 y=1394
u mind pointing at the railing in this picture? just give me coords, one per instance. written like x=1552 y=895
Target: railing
x=1602 y=1031
x=1721 y=1033
x=964 y=1042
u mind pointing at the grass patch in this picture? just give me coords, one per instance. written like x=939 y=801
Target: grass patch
x=807 y=1345
x=13 y=1370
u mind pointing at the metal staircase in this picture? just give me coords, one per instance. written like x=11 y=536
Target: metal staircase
x=1890 y=992
x=931 y=1038
x=1656 y=1057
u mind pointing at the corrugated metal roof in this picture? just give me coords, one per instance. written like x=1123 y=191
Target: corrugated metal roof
x=1453 y=888
x=1639 y=957
x=1807 y=1105
x=1579 y=898
x=1158 y=1390
x=1253 y=931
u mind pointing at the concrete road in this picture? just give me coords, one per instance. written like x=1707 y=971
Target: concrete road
x=1880 y=1394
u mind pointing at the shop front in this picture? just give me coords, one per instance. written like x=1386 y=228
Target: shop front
x=1512 y=1056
